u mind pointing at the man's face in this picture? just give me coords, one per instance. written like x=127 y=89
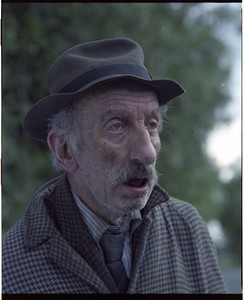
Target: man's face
x=116 y=171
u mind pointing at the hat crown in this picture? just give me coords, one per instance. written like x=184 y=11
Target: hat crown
x=88 y=65
x=89 y=56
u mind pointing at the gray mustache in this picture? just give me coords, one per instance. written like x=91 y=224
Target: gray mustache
x=134 y=170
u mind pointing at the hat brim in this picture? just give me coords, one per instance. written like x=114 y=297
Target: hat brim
x=37 y=118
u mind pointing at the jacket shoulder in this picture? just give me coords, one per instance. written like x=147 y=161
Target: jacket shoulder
x=26 y=263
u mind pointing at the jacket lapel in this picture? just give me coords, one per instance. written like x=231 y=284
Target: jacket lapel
x=71 y=245
x=138 y=248
x=76 y=233
x=63 y=255
x=141 y=234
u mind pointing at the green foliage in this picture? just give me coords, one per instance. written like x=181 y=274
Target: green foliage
x=177 y=45
x=230 y=216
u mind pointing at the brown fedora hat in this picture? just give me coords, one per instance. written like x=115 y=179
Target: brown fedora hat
x=86 y=65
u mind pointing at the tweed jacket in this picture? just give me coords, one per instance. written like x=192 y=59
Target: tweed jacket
x=50 y=249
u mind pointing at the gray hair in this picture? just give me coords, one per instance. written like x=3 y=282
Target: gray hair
x=67 y=120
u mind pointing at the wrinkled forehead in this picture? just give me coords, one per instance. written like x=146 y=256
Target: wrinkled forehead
x=121 y=96
x=125 y=100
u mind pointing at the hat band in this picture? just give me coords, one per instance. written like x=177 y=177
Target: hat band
x=119 y=69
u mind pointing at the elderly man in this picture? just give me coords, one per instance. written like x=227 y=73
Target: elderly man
x=105 y=225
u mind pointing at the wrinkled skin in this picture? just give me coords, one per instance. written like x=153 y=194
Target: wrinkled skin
x=115 y=172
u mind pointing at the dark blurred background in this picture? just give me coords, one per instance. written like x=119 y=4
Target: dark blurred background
x=189 y=42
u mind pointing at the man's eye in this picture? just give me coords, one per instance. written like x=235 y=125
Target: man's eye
x=117 y=127
x=152 y=126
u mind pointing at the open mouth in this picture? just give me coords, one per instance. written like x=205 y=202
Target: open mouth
x=137 y=182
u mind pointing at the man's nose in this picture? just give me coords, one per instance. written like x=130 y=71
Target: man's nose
x=142 y=147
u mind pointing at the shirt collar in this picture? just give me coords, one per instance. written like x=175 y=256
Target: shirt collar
x=97 y=226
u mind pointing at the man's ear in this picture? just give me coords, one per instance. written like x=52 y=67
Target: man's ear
x=61 y=150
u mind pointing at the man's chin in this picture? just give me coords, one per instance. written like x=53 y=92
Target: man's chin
x=134 y=201
x=131 y=198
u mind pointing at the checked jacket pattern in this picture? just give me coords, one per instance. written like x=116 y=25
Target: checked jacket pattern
x=50 y=249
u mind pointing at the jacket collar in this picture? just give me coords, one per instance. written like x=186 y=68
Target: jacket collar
x=157 y=197
x=38 y=226
x=53 y=207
